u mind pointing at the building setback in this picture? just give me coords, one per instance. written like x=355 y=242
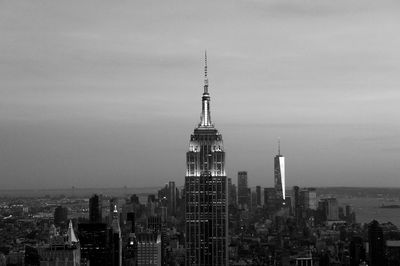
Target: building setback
x=206 y=210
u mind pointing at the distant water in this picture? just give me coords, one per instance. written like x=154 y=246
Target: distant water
x=80 y=192
x=368 y=209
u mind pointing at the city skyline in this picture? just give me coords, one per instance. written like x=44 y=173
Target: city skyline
x=97 y=98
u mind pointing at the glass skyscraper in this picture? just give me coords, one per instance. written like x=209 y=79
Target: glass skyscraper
x=206 y=216
x=279 y=173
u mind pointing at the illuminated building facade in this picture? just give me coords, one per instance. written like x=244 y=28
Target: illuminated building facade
x=149 y=249
x=279 y=173
x=206 y=210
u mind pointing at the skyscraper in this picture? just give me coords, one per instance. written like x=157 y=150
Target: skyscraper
x=309 y=198
x=297 y=207
x=253 y=200
x=95 y=209
x=96 y=243
x=116 y=238
x=270 y=198
x=258 y=192
x=206 y=216
x=60 y=216
x=243 y=191
x=330 y=208
x=149 y=249
x=279 y=172
x=232 y=195
x=171 y=198
x=357 y=251
x=376 y=244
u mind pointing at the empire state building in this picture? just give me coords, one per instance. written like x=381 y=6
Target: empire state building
x=206 y=216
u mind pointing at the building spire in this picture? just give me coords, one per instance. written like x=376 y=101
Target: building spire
x=72 y=239
x=279 y=146
x=205 y=73
x=205 y=112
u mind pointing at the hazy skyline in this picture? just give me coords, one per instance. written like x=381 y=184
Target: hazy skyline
x=106 y=94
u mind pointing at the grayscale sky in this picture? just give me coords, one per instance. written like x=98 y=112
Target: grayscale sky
x=107 y=93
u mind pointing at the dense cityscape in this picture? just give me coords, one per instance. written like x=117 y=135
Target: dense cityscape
x=203 y=219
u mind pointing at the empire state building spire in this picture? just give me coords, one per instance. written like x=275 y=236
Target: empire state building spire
x=206 y=195
x=205 y=112
x=205 y=73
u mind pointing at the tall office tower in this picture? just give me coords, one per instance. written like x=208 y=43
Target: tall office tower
x=163 y=209
x=270 y=198
x=135 y=199
x=392 y=252
x=60 y=216
x=117 y=238
x=288 y=204
x=155 y=224
x=130 y=251
x=243 y=191
x=232 y=195
x=171 y=198
x=177 y=197
x=279 y=173
x=148 y=249
x=308 y=197
x=129 y=242
x=249 y=198
x=376 y=244
x=163 y=213
x=206 y=216
x=253 y=197
x=96 y=247
x=296 y=202
x=312 y=199
x=163 y=193
x=348 y=211
x=258 y=193
x=357 y=251
x=131 y=218
x=112 y=204
x=329 y=206
x=151 y=205
x=95 y=211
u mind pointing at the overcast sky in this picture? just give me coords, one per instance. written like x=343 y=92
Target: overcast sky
x=107 y=93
